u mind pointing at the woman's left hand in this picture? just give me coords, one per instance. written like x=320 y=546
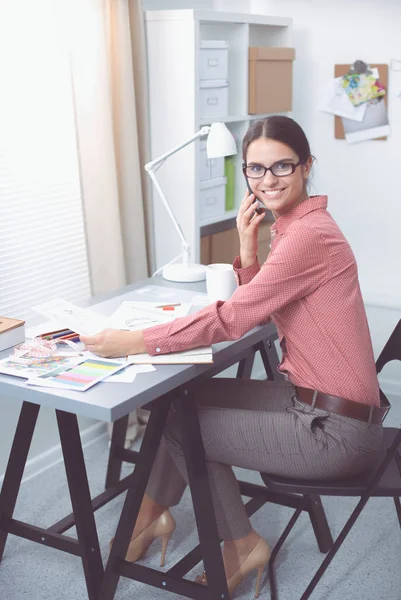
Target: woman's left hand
x=114 y=343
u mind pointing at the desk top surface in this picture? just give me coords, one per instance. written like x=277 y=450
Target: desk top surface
x=110 y=401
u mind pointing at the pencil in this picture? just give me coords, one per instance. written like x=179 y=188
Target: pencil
x=168 y=306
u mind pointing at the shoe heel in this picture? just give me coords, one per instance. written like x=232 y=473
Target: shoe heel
x=165 y=541
x=258 y=579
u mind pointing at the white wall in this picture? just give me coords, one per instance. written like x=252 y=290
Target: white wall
x=360 y=179
x=45 y=448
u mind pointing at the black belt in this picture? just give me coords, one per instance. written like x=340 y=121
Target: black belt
x=343 y=406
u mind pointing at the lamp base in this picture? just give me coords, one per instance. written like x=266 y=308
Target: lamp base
x=184 y=273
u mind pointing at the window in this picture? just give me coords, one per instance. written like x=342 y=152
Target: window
x=43 y=249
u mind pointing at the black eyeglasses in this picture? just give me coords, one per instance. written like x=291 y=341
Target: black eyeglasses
x=279 y=169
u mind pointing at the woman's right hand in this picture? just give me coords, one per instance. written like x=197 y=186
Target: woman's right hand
x=248 y=225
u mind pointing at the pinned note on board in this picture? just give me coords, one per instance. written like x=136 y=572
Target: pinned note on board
x=375 y=122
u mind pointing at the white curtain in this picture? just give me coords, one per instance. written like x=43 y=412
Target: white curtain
x=104 y=92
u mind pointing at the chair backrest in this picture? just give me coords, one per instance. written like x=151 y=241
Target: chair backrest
x=392 y=349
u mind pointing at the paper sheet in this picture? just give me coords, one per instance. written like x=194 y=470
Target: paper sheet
x=335 y=101
x=133 y=315
x=81 y=320
x=189 y=357
x=17 y=368
x=375 y=124
x=128 y=374
x=155 y=292
x=79 y=377
x=201 y=300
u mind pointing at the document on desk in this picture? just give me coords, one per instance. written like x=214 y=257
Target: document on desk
x=37 y=366
x=81 y=320
x=195 y=356
x=134 y=315
x=129 y=373
x=79 y=377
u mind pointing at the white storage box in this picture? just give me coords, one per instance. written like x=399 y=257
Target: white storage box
x=213 y=60
x=210 y=168
x=212 y=198
x=213 y=98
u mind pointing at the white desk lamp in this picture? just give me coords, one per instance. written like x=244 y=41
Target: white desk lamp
x=220 y=142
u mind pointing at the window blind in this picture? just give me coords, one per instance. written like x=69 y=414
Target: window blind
x=43 y=251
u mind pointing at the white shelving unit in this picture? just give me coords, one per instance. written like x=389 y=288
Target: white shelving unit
x=173 y=41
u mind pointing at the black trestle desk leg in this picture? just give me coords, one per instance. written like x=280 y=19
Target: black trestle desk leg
x=133 y=500
x=201 y=496
x=270 y=360
x=81 y=501
x=244 y=370
x=117 y=442
x=16 y=464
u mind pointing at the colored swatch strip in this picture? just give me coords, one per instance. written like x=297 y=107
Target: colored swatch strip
x=85 y=373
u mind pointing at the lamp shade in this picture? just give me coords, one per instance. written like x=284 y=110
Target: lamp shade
x=220 y=141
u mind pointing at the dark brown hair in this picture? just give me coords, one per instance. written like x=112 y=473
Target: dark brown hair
x=279 y=128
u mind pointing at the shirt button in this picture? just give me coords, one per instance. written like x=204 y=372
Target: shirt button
x=157 y=349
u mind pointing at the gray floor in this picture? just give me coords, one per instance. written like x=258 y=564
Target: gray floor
x=367 y=568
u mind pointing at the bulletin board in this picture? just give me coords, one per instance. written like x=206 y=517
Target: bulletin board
x=341 y=70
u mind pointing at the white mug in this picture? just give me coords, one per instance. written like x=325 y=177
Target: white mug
x=220 y=281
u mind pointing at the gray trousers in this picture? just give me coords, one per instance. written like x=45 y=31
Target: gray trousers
x=259 y=425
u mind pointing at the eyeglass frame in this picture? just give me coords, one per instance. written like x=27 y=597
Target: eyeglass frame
x=294 y=167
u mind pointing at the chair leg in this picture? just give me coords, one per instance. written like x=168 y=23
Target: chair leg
x=329 y=557
x=319 y=523
x=398 y=508
x=277 y=547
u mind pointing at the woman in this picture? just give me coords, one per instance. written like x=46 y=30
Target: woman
x=323 y=420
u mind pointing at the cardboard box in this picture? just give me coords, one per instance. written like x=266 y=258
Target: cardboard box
x=12 y=332
x=270 y=79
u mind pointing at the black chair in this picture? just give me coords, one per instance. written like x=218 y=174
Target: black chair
x=383 y=480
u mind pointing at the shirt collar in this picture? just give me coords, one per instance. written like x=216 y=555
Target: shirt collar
x=300 y=210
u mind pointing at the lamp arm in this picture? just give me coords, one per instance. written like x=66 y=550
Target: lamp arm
x=150 y=168
x=185 y=245
x=203 y=131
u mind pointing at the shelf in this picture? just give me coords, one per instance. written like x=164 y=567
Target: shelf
x=173 y=57
x=229 y=214
x=236 y=119
x=226 y=221
x=214 y=16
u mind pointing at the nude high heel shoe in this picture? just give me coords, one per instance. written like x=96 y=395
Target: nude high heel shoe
x=162 y=527
x=257 y=559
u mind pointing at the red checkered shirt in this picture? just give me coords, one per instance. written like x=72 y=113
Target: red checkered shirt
x=309 y=288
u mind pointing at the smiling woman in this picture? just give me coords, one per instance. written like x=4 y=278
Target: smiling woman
x=323 y=421
x=272 y=151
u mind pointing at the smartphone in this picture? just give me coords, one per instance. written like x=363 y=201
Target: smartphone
x=260 y=207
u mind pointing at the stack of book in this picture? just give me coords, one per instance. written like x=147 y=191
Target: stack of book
x=12 y=332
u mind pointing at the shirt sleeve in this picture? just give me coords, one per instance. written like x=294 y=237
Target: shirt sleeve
x=298 y=265
x=244 y=276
